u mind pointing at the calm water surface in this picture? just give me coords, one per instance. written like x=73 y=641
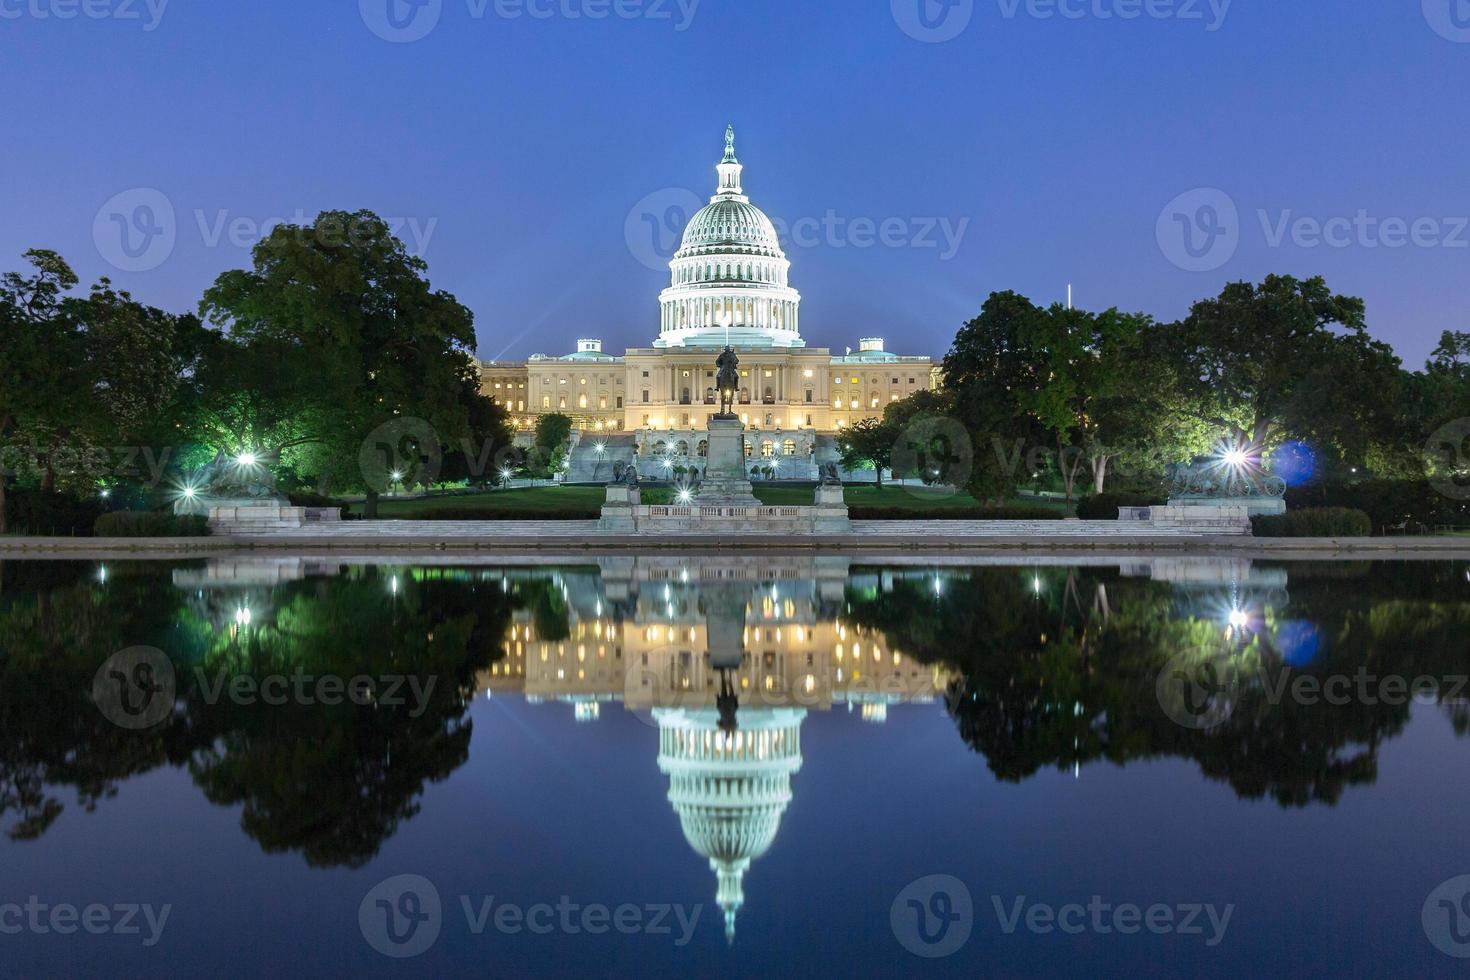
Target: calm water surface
x=675 y=767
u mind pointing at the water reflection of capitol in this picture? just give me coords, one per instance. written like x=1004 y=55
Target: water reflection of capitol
x=728 y=661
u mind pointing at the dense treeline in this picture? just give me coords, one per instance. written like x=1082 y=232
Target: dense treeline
x=332 y=365
x=1285 y=369
x=309 y=365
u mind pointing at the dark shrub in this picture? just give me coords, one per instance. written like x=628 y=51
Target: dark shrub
x=1408 y=504
x=31 y=511
x=151 y=524
x=955 y=514
x=500 y=514
x=1314 y=522
x=307 y=498
x=1104 y=506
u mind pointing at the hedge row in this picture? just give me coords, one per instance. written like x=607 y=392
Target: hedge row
x=40 y=512
x=1314 y=522
x=501 y=514
x=956 y=514
x=1104 y=506
x=1389 y=504
x=150 y=524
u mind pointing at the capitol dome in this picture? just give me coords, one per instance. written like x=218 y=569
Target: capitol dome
x=730 y=788
x=728 y=281
x=727 y=226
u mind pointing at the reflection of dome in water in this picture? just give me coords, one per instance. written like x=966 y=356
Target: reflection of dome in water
x=729 y=790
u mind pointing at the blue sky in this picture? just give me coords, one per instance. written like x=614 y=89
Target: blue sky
x=523 y=152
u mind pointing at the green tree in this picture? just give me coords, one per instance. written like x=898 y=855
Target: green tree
x=345 y=296
x=30 y=373
x=99 y=372
x=990 y=364
x=491 y=434
x=869 y=443
x=553 y=436
x=1287 y=357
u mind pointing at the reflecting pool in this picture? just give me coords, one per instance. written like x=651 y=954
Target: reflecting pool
x=697 y=766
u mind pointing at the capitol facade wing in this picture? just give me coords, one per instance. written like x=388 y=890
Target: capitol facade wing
x=729 y=279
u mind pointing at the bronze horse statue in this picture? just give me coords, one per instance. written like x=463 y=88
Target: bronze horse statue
x=728 y=381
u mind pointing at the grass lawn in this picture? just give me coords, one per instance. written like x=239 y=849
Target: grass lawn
x=915 y=498
x=585 y=501
x=545 y=500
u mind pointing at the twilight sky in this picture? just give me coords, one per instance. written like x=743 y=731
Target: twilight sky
x=1146 y=151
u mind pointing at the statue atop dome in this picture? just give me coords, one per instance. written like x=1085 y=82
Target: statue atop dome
x=730 y=144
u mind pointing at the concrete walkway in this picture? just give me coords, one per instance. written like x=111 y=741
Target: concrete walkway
x=866 y=537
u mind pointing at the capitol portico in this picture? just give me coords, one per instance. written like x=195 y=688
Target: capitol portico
x=729 y=282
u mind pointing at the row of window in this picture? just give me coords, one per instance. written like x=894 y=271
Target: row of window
x=751 y=271
x=582 y=402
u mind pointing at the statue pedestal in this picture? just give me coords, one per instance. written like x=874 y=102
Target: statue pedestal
x=1253 y=505
x=725 y=481
x=831 y=513
x=619 y=510
x=228 y=516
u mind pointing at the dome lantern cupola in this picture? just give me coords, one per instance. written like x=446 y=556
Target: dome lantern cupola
x=730 y=171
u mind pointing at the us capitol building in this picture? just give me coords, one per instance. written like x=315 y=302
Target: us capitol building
x=729 y=282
